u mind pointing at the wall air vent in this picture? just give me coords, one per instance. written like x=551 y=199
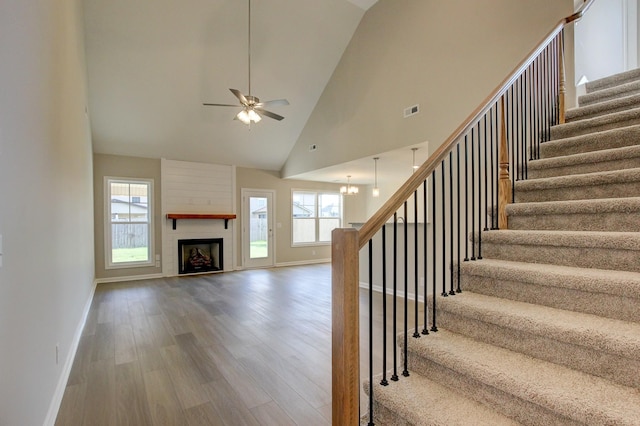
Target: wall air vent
x=412 y=110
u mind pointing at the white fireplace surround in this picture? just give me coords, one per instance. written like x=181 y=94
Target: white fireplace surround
x=196 y=188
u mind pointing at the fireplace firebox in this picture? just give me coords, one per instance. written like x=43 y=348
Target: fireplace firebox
x=200 y=255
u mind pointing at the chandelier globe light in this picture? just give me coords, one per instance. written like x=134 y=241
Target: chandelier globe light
x=349 y=189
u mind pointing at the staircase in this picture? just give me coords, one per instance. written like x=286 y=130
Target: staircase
x=547 y=328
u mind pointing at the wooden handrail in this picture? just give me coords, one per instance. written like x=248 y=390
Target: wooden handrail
x=379 y=218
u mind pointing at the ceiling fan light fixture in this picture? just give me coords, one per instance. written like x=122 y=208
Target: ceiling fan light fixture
x=254 y=116
x=244 y=116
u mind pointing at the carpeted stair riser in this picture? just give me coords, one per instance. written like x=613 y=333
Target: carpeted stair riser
x=600 y=250
x=602 y=108
x=627 y=157
x=617 y=215
x=627 y=89
x=612 y=81
x=597 y=124
x=394 y=405
x=587 y=351
x=609 y=139
x=605 y=305
x=520 y=409
x=530 y=390
x=588 y=186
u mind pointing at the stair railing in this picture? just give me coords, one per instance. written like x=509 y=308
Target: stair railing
x=457 y=194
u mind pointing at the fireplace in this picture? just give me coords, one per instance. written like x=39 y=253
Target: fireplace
x=200 y=255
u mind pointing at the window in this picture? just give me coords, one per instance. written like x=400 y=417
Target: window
x=314 y=216
x=128 y=236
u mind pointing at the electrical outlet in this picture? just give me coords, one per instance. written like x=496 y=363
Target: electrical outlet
x=157 y=263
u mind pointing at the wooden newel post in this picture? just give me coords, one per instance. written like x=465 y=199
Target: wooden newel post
x=504 y=188
x=562 y=89
x=345 y=346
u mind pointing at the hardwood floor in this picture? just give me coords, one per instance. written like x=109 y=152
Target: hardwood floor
x=240 y=348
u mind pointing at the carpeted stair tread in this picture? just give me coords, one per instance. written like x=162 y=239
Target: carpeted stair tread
x=613 y=240
x=602 y=108
x=625 y=89
x=570 y=394
x=613 y=80
x=615 y=214
x=628 y=117
x=583 y=249
x=626 y=157
x=607 y=293
x=608 y=184
x=597 y=281
x=420 y=401
x=621 y=338
x=607 y=139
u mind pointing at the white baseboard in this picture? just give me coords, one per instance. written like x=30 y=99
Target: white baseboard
x=54 y=407
x=302 y=262
x=128 y=278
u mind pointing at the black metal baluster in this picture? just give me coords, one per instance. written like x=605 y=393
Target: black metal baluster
x=479 y=195
x=537 y=100
x=425 y=328
x=512 y=142
x=444 y=236
x=405 y=372
x=394 y=376
x=459 y=290
x=473 y=197
x=531 y=95
x=384 y=381
x=370 y=332
x=494 y=212
x=451 y=291
x=466 y=201
x=485 y=156
x=434 y=327
x=497 y=163
x=524 y=125
x=416 y=315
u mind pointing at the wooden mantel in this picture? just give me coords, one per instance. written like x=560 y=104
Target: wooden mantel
x=176 y=216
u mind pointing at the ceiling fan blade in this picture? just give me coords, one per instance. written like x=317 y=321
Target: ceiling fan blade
x=224 y=105
x=240 y=96
x=275 y=102
x=269 y=114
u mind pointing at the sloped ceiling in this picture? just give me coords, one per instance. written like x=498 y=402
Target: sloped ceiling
x=152 y=63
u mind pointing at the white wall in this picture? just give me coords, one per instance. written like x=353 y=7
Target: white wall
x=606 y=39
x=46 y=211
x=189 y=187
x=446 y=56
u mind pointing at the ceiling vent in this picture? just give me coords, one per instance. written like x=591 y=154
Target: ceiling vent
x=412 y=110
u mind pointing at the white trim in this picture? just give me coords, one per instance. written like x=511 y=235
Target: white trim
x=316 y=216
x=271 y=196
x=108 y=261
x=127 y=278
x=302 y=262
x=56 y=401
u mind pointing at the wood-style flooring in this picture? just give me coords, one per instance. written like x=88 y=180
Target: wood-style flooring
x=239 y=348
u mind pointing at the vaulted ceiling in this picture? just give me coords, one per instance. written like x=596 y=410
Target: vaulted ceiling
x=152 y=63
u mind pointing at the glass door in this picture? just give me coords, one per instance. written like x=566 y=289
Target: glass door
x=257 y=228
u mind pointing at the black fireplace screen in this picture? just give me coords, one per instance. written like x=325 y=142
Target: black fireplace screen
x=201 y=255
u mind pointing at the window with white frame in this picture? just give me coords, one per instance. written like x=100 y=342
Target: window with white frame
x=314 y=215
x=128 y=231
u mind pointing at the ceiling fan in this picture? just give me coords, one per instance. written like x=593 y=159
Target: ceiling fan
x=252 y=108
